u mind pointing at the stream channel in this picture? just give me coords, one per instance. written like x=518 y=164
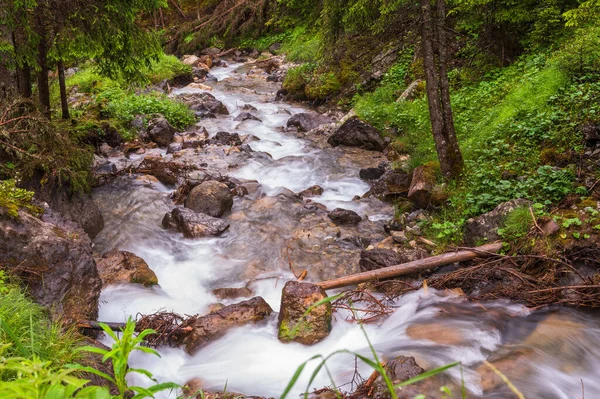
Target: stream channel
x=551 y=353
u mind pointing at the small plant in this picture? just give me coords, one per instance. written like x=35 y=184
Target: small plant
x=13 y=198
x=517 y=223
x=571 y=222
x=119 y=355
x=40 y=379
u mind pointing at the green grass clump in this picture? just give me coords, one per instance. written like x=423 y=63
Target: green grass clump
x=26 y=329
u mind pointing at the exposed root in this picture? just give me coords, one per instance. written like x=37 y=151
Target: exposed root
x=363 y=306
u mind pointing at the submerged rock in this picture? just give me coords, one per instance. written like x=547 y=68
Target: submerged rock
x=356 y=133
x=214 y=325
x=341 y=216
x=306 y=122
x=210 y=197
x=232 y=293
x=193 y=224
x=294 y=325
x=125 y=267
x=312 y=191
x=55 y=258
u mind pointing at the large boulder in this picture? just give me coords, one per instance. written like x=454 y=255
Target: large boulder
x=356 y=133
x=204 y=103
x=391 y=186
x=305 y=122
x=81 y=209
x=210 y=197
x=294 y=324
x=421 y=186
x=160 y=131
x=341 y=216
x=380 y=257
x=193 y=224
x=484 y=228
x=116 y=267
x=214 y=325
x=54 y=258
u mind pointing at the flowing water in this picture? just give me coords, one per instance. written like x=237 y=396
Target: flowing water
x=546 y=354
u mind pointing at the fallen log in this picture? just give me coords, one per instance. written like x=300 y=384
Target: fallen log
x=412 y=267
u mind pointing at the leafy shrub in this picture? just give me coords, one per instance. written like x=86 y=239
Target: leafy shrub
x=298 y=77
x=167 y=67
x=125 y=106
x=322 y=85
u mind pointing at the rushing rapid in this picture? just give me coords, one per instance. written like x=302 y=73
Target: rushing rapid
x=553 y=354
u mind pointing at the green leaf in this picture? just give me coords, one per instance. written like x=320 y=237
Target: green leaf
x=427 y=374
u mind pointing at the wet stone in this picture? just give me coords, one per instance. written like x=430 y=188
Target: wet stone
x=193 y=224
x=297 y=326
x=341 y=216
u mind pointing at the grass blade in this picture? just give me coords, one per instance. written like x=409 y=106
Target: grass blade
x=427 y=374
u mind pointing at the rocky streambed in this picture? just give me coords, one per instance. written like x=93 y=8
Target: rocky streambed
x=215 y=221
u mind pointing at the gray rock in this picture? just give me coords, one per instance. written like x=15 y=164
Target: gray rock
x=306 y=122
x=356 y=133
x=160 y=131
x=61 y=273
x=204 y=103
x=226 y=138
x=193 y=224
x=341 y=216
x=391 y=186
x=244 y=116
x=421 y=187
x=378 y=258
x=210 y=197
x=371 y=173
x=484 y=228
x=294 y=325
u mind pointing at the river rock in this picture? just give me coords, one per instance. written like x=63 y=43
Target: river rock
x=312 y=191
x=293 y=324
x=210 y=197
x=183 y=79
x=341 y=216
x=160 y=131
x=306 y=122
x=356 y=133
x=485 y=227
x=214 y=325
x=117 y=267
x=204 y=103
x=232 y=293
x=193 y=224
x=371 y=173
x=226 y=138
x=79 y=208
x=54 y=258
x=391 y=186
x=190 y=59
x=378 y=258
x=398 y=370
x=244 y=116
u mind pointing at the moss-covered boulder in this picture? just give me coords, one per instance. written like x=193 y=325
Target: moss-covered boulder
x=296 y=322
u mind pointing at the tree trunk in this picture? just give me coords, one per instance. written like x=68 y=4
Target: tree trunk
x=453 y=150
x=63 y=90
x=42 y=60
x=438 y=95
x=23 y=71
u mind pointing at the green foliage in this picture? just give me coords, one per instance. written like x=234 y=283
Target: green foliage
x=298 y=77
x=322 y=85
x=301 y=45
x=26 y=330
x=166 y=67
x=119 y=354
x=39 y=379
x=125 y=106
x=13 y=198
